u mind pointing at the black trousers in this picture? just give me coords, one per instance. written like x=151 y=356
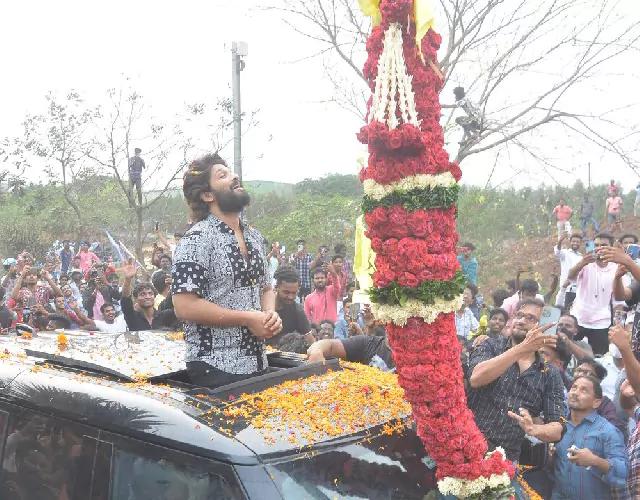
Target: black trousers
x=598 y=339
x=137 y=183
x=204 y=375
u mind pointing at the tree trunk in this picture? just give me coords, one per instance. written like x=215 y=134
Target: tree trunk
x=76 y=209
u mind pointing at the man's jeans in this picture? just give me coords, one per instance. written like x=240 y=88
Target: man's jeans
x=520 y=494
x=584 y=224
x=564 y=226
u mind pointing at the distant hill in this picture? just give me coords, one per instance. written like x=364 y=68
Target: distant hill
x=265 y=187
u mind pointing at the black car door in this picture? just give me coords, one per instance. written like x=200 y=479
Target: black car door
x=45 y=457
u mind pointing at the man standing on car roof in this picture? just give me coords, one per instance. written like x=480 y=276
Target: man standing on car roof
x=221 y=284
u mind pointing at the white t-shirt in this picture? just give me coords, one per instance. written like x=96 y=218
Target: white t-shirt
x=118 y=326
x=592 y=305
x=568 y=258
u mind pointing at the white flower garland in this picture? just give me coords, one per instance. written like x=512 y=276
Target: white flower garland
x=393 y=79
x=463 y=488
x=419 y=181
x=414 y=308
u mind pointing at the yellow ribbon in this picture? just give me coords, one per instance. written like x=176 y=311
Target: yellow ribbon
x=364 y=262
x=371 y=8
x=424 y=16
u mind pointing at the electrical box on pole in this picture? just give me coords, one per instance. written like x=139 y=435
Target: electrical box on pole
x=238 y=51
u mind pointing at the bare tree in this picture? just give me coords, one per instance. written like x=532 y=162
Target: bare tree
x=52 y=143
x=121 y=125
x=127 y=121
x=524 y=63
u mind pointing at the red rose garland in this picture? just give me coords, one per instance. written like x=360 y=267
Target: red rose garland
x=411 y=225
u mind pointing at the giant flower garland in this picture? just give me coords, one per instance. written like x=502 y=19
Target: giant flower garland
x=410 y=194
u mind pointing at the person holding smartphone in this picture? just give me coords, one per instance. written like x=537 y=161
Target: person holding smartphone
x=302 y=261
x=594 y=275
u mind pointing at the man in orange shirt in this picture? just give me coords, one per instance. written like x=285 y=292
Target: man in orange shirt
x=563 y=213
x=614 y=207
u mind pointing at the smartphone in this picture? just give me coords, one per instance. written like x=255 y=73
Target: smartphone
x=282 y=250
x=633 y=250
x=590 y=247
x=157 y=226
x=479 y=299
x=621 y=317
x=300 y=248
x=550 y=315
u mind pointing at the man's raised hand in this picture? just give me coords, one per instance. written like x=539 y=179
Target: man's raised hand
x=537 y=338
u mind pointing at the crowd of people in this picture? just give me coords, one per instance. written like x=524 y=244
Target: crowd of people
x=563 y=403
x=551 y=377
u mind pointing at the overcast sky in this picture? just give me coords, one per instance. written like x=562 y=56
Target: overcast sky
x=178 y=53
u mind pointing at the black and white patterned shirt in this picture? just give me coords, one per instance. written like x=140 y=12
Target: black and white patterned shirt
x=208 y=262
x=539 y=389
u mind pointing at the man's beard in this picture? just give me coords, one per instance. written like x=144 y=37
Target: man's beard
x=231 y=202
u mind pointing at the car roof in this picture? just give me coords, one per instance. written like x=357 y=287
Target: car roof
x=134 y=384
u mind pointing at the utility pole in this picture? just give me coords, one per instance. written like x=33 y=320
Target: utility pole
x=589 y=164
x=238 y=51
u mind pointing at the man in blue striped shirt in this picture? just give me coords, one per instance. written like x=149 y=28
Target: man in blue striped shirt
x=591 y=457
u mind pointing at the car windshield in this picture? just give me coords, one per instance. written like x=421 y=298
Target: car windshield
x=386 y=467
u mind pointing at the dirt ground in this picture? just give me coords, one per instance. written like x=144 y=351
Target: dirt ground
x=536 y=252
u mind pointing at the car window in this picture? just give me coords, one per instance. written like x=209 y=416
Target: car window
x=386 y=467
x=46 y=459
x=146 y=478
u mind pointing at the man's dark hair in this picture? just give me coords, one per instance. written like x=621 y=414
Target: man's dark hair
x=575 y=322
x=105 y=305
x=158 y=281
x=336 y=257
x=60 y=320
x=137 y=150
x=597 y=388
x=459 y=92
x=600 y=371
x=576 y=235
x=499 y=296
x=511 y=284
x=339 y=247
x=564 y=352
x=293 y=342
x=326 y=321
x=498 y=310
x=469 y=245
x=473 y=289
x=166 y=256
x=319 y=270
x=606 y=235
x=530 y=301
x=286 y=274
x=141 y=288
x=629 y=235
x=196 y=181
x=529 y=285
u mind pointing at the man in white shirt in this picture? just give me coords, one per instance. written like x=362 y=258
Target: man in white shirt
x=592 y=306
x=568 y=257
x=111 y=323
x=614 y=365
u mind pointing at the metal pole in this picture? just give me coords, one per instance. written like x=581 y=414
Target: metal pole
x=589 y=175
x=238 y=50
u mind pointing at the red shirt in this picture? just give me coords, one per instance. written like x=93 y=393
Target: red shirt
x=563 y=213
x=323 y=305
